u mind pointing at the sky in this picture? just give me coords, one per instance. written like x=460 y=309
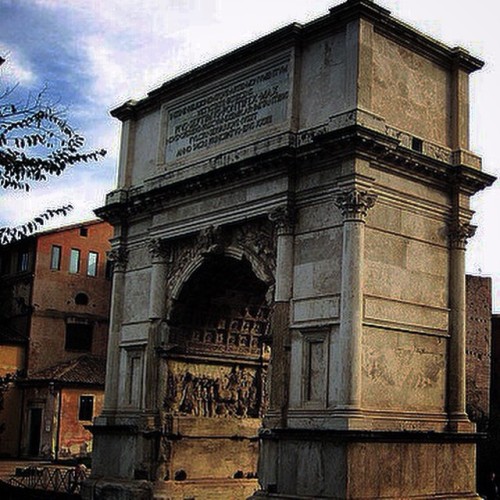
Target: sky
x=93 y=55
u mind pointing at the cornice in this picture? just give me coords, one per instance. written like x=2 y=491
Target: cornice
x=333 y=145
x=129 y=203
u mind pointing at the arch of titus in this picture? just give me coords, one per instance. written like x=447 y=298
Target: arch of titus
x=290 y=230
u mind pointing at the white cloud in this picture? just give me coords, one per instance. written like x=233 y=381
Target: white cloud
x=131 y=47
x=16 y=68
x=84 y=192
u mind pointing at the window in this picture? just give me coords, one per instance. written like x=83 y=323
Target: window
x=78 y=337
x=81 y=299
x=92 y=264
x=86 y=408
x=74 y=261
x=55 y=257
x=23 y=261
x=84 y=232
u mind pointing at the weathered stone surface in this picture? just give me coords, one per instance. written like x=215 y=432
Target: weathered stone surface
x=117 y=490
x=404 y=372
x=351 y=127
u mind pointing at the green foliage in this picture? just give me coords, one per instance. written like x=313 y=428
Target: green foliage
x=36 y=143
x=10 y=234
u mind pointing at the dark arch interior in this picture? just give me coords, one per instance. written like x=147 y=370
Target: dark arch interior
x=222 y=308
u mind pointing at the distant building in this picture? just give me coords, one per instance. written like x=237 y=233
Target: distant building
x=495 y=364
x=478 y=349
x=55 y=291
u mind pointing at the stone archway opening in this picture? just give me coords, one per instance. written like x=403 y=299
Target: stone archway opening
x=216 y=373
x=222 y=310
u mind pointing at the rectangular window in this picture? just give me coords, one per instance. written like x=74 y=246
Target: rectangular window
x=55 y=257
x=78 y=337
x=74 y=261
x=23 y=259
x=86 y=408
x=92 y=264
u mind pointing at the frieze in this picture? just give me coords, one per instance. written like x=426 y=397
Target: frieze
x=437 y=152
x=430 y=149
x=307 y=137
x=232 y=392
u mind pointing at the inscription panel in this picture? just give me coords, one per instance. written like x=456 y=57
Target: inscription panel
x=241 y=106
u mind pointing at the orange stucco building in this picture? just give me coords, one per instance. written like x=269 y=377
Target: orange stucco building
x=12 y=361
x=55 y=288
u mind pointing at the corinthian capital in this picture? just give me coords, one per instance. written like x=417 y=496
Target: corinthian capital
x=159 y=249
x=355 y=203
x=459 y=234
x=119 y=257
x=283 y=218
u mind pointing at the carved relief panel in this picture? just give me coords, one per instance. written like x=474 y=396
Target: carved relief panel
x=219 y=313
x=215 y=391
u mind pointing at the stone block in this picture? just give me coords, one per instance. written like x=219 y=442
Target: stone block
x=403 y=371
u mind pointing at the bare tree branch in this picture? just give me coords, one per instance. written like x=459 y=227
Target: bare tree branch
x=36 y=142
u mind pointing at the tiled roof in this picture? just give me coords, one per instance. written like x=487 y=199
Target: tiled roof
x=83 y=370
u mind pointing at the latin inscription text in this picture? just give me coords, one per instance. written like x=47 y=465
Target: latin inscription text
x=241 y=107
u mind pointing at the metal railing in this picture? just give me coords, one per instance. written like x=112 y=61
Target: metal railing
x=49 y=479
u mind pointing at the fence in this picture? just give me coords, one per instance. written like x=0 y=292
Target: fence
x=49 y=479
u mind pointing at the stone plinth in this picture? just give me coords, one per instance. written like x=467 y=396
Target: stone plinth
x=394 y=465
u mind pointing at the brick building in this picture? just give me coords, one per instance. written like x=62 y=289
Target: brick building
x=478 y=349
x=495 y=362
x=55 y=288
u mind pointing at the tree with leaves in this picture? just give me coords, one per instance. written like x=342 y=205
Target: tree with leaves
x=36 y=142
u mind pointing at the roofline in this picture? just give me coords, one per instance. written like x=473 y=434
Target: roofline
x=287 y=36
x=69 y=227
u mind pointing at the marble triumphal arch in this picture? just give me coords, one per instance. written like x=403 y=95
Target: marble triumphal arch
x=288 y=290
